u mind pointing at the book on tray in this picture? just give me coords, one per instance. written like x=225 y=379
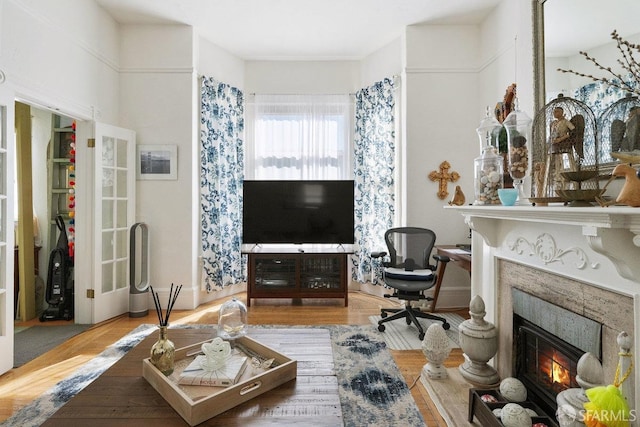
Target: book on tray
x=225 y=376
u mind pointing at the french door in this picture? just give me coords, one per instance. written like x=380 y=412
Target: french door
x=7 y=149
x=105 y=211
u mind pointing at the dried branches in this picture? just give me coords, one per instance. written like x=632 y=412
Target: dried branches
x=627 y=61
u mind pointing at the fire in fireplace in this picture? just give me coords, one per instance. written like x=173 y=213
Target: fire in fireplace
x=545 y=363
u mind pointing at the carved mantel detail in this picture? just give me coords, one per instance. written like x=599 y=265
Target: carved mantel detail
x=546 y=249
x=613 y=232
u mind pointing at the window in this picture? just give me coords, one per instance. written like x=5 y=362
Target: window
x=299 y=137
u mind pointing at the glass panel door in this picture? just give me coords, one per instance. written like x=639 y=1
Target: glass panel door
x=114 y=210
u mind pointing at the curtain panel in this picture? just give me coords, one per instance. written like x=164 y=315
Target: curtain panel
x=299 y=137
x=375 y=174
x=221 y=177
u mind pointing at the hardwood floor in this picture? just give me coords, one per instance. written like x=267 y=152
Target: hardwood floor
x=20 y=386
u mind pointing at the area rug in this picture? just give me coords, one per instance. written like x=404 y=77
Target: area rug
x=34 y=341
x=371 y=388
x=400 y=336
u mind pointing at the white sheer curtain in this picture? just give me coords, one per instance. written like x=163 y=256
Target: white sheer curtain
x=299 y=137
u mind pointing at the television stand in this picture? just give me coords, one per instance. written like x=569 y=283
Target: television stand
x=297 y=271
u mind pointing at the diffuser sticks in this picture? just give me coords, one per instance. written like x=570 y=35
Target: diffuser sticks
x=164 y=319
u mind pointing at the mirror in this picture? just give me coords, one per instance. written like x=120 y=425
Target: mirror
x=563 y=28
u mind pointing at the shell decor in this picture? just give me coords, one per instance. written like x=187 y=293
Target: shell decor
x=436 y=348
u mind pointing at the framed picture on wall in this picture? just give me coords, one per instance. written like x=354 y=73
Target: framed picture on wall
x=157 y=162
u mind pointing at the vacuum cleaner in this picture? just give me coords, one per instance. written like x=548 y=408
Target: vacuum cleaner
x=59 y=292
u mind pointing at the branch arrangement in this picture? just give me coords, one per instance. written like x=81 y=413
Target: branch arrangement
x=628 y=62
x=164 y=319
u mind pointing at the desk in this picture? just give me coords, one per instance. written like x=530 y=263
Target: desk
x=121 y=396
x=461 y=258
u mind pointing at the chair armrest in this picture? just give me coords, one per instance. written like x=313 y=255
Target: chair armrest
x=378 y=254
x=441 y=258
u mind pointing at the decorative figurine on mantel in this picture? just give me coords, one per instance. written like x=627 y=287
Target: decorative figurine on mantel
x=436 y=348
x=479 y=342
x=630 y=193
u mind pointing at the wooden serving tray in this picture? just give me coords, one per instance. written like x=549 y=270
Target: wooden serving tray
x=196 y=404
x=483 y=411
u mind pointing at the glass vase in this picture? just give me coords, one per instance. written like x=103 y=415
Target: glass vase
x=163 y=353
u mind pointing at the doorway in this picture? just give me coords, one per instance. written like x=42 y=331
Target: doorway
x=44 y=182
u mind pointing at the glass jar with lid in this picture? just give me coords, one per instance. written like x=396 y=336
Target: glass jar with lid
x=488 y=178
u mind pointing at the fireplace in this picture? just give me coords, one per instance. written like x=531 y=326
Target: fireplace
x=545 y=364
x=584 y=260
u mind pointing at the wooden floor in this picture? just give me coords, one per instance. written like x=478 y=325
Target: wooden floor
x=20 y=386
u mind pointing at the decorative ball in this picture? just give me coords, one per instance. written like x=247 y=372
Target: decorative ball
x=513 y=390
x=514 y=415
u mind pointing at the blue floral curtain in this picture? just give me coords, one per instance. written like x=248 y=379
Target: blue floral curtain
x=374 y=157
x=221 y=177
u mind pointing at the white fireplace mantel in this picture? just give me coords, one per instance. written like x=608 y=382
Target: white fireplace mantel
x=613 y=232
x=594 y=245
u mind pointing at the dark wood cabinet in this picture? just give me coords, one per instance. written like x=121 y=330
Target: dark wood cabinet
x=300 y=274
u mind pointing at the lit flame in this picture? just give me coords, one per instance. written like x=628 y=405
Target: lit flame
x=559 y=374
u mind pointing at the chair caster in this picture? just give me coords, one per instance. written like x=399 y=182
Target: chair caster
x=381 y=328
x=446 y=326
x=408 y=321
x=383 y=315
x=421 y=336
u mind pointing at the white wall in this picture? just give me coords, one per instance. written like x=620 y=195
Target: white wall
x=301 y=77
x=61 y=54
x=156 y=94
x=384 y=62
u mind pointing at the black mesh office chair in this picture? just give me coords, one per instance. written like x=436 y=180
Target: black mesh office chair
x=409 y=273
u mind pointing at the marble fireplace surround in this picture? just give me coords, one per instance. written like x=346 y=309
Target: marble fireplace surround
x=584 y=259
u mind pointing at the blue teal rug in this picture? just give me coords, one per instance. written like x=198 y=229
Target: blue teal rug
x=371 y=388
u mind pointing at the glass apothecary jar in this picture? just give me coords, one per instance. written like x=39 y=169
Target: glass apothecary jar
x=488 y=178
x=518 y=126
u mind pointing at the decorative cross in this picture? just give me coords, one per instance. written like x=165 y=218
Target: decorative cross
x=444 y=176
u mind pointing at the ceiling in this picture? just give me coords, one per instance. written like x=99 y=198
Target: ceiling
x=299 y=29
x=352 y=29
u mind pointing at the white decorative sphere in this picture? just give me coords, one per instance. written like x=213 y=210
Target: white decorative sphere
x=514 y=415
x=513 y=390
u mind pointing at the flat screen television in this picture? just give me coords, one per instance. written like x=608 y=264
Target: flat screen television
x=297 y=212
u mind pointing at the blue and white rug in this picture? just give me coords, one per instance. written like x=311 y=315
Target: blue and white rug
x=371 y=387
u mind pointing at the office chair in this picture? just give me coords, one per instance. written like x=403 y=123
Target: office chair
x=409 y=273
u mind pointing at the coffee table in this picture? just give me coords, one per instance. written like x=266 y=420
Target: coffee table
x=122 y=397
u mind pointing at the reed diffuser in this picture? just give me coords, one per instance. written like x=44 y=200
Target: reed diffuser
x=163 y=351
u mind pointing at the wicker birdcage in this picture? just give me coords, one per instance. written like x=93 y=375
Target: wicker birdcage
x=566 y=155
x=617 y=131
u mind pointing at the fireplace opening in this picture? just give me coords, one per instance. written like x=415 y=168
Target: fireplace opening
x=545 y=363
